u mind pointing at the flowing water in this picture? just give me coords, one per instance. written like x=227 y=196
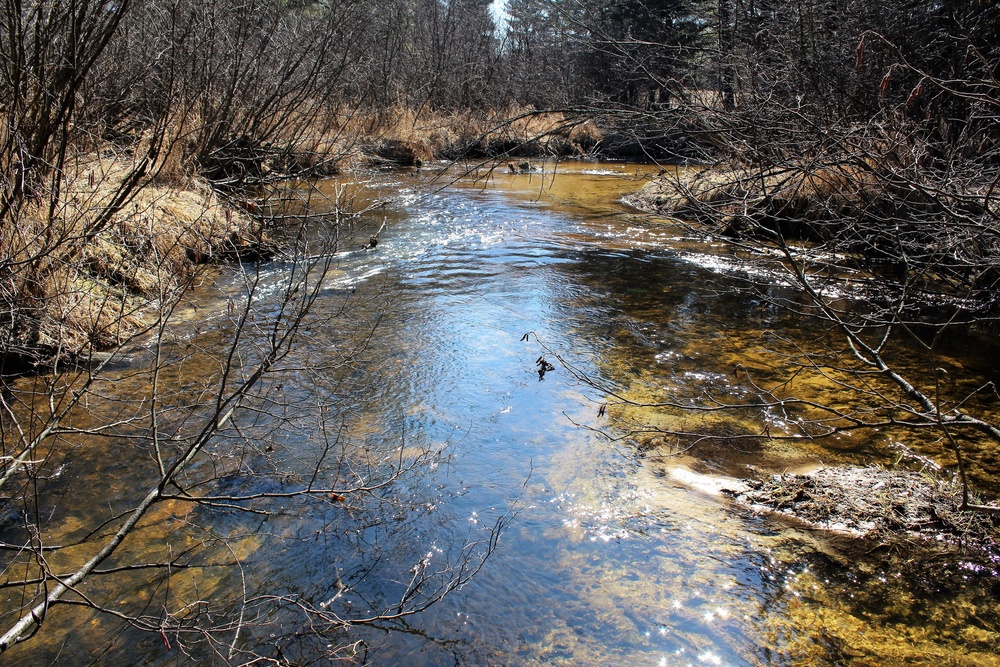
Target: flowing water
x=616 y=552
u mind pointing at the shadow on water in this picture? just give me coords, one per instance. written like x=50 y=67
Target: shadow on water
x=612 y=557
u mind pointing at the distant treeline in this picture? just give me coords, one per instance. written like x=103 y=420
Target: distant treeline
x=189 y=77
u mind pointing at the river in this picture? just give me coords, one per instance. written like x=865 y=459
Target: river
x=615 y=550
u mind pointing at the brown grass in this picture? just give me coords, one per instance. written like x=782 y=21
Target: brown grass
x=76 y=287
x=796 y=197
x=405 y=136
x=791 y=190
x=317 y=141
x=73 y=279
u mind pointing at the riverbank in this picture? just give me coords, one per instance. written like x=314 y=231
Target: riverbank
x=88 y=273
x=900 y=226
x=619 y=548
x=406 y=138
x=909 y=261
x=87 y=264
x=881 y=508
x=800 y=202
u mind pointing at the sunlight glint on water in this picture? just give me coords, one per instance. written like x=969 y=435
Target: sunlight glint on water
x=616 y=556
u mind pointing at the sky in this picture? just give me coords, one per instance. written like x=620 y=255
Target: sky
x=499 y=10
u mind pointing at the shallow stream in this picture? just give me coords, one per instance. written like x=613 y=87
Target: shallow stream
x=616 y=552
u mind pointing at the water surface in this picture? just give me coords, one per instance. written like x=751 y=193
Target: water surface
x=615 y=553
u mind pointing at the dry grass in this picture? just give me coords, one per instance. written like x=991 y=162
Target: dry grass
x=406 y=136
x=805 y=193
x=79 y=280
x=321 y=141
x=74 y=278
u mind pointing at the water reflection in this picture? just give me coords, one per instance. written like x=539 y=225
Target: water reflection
x=612 y=558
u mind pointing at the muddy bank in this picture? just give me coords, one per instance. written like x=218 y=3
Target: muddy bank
x=880 y=507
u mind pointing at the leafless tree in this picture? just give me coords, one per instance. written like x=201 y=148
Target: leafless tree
x=218 y=453
x=176 y=488
x=858 y=168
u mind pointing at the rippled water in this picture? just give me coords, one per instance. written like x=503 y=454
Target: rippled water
x=618 y=553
